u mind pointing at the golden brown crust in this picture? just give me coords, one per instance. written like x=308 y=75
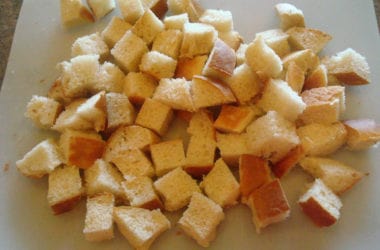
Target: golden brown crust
x=232 y=118
x=86 y=14
x=283 y=167
x=188 y=67
x=198 y=171
x=317 y=213
x=83 y=152
x=184 y=115
x=351 y=78
x=153 y=204
x=221 y=61
x=66 y=205
x=318 y=78
x=159 y=8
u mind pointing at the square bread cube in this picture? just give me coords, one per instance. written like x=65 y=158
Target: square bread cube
x=307 y=38
x=110 y=79
x=134 y=163
x=120 y=111
x=231 y=147
x=114 y=31
x=158 y=65
x=201 y=124
x=176 y=21
x=159 y=7
x=148 y=26
x=189 y=67
x=290 y=16
x=69 y=118
x=305 y=59
x=90 y=44
x=317 y=78
x=220 y=19
x=73 y=12
x=277 y=40
x=98 y=224
x=43 y=111
x=234 y=119
x=176 y=189
x=168 y=42
x=131 y=10
x=94 y=111
x=201 y=219
x=167 y=156
x=139 y=86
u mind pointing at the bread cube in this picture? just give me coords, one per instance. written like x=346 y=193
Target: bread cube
x=361 y=133
x=140 y=226
x=201 y=124
x=43 y=111
x=240 y=54
x=305 y=59
x=100 y=8
x=320 y=204
x=94 y=110
x=120 y=112
x=269 y=205
x=140 y=193
x=168 y=42
x=272 y=136
x=198 y=39
x=158 y=7
x=155 y=116
x=56 y=92
x=295 y=77
x=158 y=65
x=139 y=86
x=289 y=16
x=133 y=163
x=176 y=21
x=128 y=51
x=277 y=40
x=98 y=224
x=42 y=159
x=231 y=147
x=176 y=189
x=233 y=119
x=65 y=189
x=167 y=156
x=110 y=79
x=317 y=78
x=201 y=219
x=89 y=45
x=220 y=19
x=114 y=31
x=189 y=67
x=69 y=118
x=231 y=38
x=306 y=38
x=73 y=13
x=192 y=7
x=131 y=10
x=220 y=185
x=148 y=26
x=289 y=161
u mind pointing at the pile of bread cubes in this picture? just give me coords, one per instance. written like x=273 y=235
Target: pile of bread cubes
x=253 y=111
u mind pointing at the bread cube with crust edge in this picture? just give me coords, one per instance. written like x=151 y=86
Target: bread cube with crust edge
x=233 y=119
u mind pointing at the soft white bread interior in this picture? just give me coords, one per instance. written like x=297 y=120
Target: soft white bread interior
x=231 y=38
x=114 y=31
x=90 y=44
x=94 y=110
x=131 y=10
x=220 y=19
x=110 y=78
x=158 y=65
x=176 y=21
x=43 y=111
x=277 y=40
x=290 y=16
x=148 y=26
x=73 y=13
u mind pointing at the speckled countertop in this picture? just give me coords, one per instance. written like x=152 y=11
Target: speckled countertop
x=9 y=11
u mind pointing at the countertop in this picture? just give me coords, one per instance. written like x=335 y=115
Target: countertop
x=9 y=11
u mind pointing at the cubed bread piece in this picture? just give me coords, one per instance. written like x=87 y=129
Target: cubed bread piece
x=307 y=38
x=220 y=19
x=289 y=161
x=233 y=119
x=295 y=77
x=231 y=38
x=120 y=112
x=280 y=97
x=168 y=42
x=220 y=185
x=277 y=40
x=244 y=83
x=198 y=39
x=94 y=110
x=42 y=159
x=323 y=105
x=140 y=193
x=362 y=133
x=320 y=204
x=65 y=189
x=140 y=226
x=110 y=79
x=254 y=172
x=221 y=61
x=139 y=86
x=201 y=124
x=81 y=149
x=192 y=7
x=240 y=54
x=176 y=189
x=349 y=67
x=148 y=26
x=305 y=59
x=319 y=139
x=262 y=59
x=290 y=16
x=158 y=7
x=43 y=111
x=336 y=175
x=167 y=156
x=69 y=118
x=158 y=65
x=155 y=116
x=175 y=93
x=56 y=92
x=128 y=51
x=115 y=30
x=208 y=92
x=100 y=8
x=269 y=205
x=272 y=136
x=201 y=219
x=231 y=147
x=176 y=21
x=90 y=44
x=103 y=177
x=133 y=163
x=98 y=224
x=73 y=13
x=131 y=10
x=317 y=78
x=189 y=67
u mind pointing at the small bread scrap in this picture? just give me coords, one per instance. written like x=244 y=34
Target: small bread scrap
x=362 y=133
x=100 y=8
x=234 y=119
x=139 y=86
x=306 y=38
x=43 y=111
x=90 y=44
x=114 y=31
x=133 y=163
x=73 y=13
x=290 y=16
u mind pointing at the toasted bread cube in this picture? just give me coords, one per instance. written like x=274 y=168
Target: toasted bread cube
x=148 y=26
x=140 y=193
x=231 y=146
x=277 y=40
x=295 y=77
x=269 y=205
x=201 y=219
x=94 y=110
x=139 y=86
x=231 y=38
x=319 y=139
x=176 y=21
x=42 y=159
x=233 y=119
x=167 y=156
x=43 y=111
x=198 y=39
x=100 y=8
x=221 y=61
x=155 y=116
x=131 y=10
x=89 y=45
x=254 y=172
x=305 y=59
x=201 y=124
x=272 y=136
x=128 y=51
x=168 y=42
x=208 y=92
x=220 y=19
x=306 y=38
x=317 y=78
x=158 y=65
x=69 y=118
x=133 y=163
x=115 y=30
x=98 y=225
x=140 y=226
x=289 y=16
x=158 y=7
x=240 y=54
x=289 y=161
x=361 y=133
x=220 y=185
x=81 y=149
x=120 y=111
x=110 y=79
x=336 y=175
x=65 y=189
x=176 y=189
x=175 y=93
x=73 y=13
x=189 y=67
x=56 y=92
x=262 y=59
x=191 y=7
